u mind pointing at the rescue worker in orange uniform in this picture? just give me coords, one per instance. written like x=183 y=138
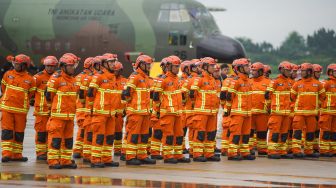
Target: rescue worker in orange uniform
x=62 y=94
x=103 y=90
x=169 y=111
x=204 y=91
x=190 y=102
x=240 y=113
x=317 y=71
x=218 y=77
x=17 y=88
x=120 y=84
x=292 y=80
x=327 y=121
x=306 y=93
x=259 y=106
x=84 y=87
x=278 y=92
x=41 y=108
x=137 y=95
x=156 y=140
x=80 y=109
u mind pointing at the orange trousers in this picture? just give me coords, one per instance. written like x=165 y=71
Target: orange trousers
x=13 y=126
x=204 y=140
x=137 y=127
x=119 y=124
x=240 y=128
x=60 y=141
x=172 y=136
x=103 y=129
x=259 y=125
x=327 y=124
x=156 y=139
x=278 y=133
x=79 y=138
x=41 y=136
x=307 y=123
x=225 y=134
x=87 y=143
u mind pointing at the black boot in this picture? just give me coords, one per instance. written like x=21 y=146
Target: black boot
x=287 y=156
x=214 y=158
x=217 y=150
x=235 y=158
x=274 y=156
x=148 y=161
x=97 y=165
x=133 y=162
x=56 y=166
x=313 y=155
x=77 y=156
x=112 y=164
x=249 y=157
x=184 y=160
x=298 y=155
x=200 y=159
x=70 y=166
x=170 y=161
x=157 y=157
x=86 y=161
x=22 y=159
x=5 y=159
x=42 y=157
x=326 y=155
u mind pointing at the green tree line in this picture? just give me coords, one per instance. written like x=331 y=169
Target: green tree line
x=319 y=48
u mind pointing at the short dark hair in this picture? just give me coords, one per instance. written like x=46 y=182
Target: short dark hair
x=224 y=65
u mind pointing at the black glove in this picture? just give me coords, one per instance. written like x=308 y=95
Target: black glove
x=222 y=95
x=229 y=97
x=192 y=94
x=226 y=114
x=32 y=102
x=158 y=115
x=267 y=95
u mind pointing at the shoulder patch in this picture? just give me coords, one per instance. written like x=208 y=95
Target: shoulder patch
x=40 y=73
x=134 y=73
x=164 y=76
x=236 y=78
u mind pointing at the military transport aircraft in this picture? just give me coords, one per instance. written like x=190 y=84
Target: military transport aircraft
x=127 y=27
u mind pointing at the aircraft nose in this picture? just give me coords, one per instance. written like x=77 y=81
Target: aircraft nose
x=221 y=47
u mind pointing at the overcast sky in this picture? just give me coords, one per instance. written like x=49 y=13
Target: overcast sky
x=272 y=20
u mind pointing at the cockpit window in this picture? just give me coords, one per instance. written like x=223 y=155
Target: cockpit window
x=173 y=12
x=203 y=22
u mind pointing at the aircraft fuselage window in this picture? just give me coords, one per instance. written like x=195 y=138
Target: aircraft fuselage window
x=173 y=38
x=37 y=45
x=173 y=12
x=183 y=39
x=57 y=46
x=47 y=45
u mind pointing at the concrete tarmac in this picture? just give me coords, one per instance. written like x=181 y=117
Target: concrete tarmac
x=262 y=172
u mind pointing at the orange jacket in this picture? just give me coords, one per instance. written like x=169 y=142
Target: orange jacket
x=189 y=103
x=279 y=93
x=105 y=91
x=17 y=89
x=169 y=94
x=259 y=86
x=240 y=91
x=80 y=103
x=63 y=91
x=307 y=93
x=41 y=107
x=205 y=90
x=329 y=104
x=120 y=84
x=137 y=93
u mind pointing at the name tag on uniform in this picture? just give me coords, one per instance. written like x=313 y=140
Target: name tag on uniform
x=170 y=84
x=105 y=81
x=300 y=86
x=11 y=77
x=280 y=84
x=333 y=86
x=63 y=84
x=27 y=81
x=141 y=80
x=315 y=85
x=242 y=85
x=206 y=83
